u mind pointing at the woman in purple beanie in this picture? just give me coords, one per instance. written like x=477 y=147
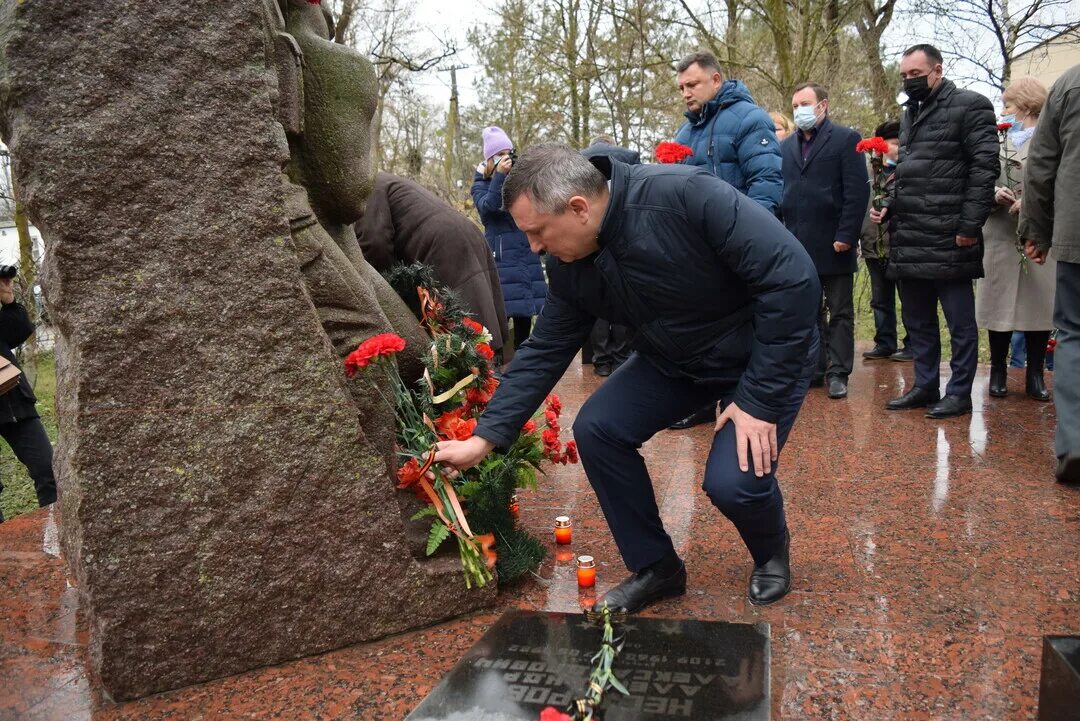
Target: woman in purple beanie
x=520 y=274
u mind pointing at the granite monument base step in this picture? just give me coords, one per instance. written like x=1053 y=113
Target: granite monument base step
x=673 y=669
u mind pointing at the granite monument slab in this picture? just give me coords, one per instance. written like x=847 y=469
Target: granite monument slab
x=673 y=669
x=1059 y=682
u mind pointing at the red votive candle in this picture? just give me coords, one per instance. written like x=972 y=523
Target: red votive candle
x=515 y=508
x=586 y=572
x=563 y=533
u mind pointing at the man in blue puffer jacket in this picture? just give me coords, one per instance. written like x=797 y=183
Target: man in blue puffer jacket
x=724 y=301
x=732 y=137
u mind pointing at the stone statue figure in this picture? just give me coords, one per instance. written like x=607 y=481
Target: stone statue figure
x=325 y=103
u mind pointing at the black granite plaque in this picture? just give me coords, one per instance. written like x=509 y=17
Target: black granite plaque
x=673 y=669
x=1059 y=683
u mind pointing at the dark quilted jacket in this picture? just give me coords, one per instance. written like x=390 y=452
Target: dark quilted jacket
x=944 y=185
x=715 y=286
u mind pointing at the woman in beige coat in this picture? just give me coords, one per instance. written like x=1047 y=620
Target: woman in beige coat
x=1015 y=295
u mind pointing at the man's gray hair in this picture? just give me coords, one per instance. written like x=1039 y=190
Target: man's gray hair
x=707 y=61
x=550 y=174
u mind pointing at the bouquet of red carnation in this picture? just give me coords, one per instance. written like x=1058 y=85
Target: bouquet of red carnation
x=446 y=403
x=877 y=147
x=672 y=152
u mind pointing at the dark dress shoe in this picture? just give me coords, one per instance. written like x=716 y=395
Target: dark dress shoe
x=904 y=355
x=642 y=588
x=950 y=407
x=1036 y=386
x=698 y=417
x=915 y=398
x=772 y=580
x=877 y=353
x=1068 y=470
x=602 y=370
x=998 y=376
x=837 y=387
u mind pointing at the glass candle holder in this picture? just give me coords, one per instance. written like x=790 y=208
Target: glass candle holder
x=563 y=532
x=515 y=508
x=586 y=572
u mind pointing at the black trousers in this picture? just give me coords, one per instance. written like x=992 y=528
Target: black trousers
x=610 y=343
x=634 y=404
x=836 y=325
x=32 y=447
x=522 y=329
x=919 y=299
x=883 y=303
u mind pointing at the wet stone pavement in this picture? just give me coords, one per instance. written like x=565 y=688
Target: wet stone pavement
x=929 y=560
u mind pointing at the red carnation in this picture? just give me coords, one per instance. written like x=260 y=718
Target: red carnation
x=1002 y=127
x=409 y=473
x=554 y=404
x=529 y=427
x=551 y=439
x=553 y=714
x=875 y=144
x=552 y=419
x=571 y=451
x=384 y=344
x=453 y=427
x=473 y=326
x=672 y=152
x=485 y=350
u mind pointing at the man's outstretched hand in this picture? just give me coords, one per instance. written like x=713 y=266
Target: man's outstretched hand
x=457 y=456
x=760 y=435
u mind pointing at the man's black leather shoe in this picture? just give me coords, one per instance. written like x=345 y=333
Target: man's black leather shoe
x=998 y=376
x=602 y=369
x=950 y=407
x=838 y=387
x=877 y=353
x=915 y=398
x=771 y=581
x=702 y=415
x=640 y=589
x=1068 y=470
x=904 y=355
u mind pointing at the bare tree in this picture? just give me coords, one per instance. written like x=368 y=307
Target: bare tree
x=987 y=35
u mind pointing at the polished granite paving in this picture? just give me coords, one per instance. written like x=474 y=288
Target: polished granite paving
x=929 y=559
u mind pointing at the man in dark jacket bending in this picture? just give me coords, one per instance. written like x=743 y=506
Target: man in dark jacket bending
x=724 y=301
x=943 y=193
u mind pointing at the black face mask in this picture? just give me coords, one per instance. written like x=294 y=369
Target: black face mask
x=918 y=89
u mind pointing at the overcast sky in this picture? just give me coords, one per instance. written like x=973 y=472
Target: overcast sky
x=453 y=18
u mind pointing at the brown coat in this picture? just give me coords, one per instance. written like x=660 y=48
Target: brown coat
x=406 y=222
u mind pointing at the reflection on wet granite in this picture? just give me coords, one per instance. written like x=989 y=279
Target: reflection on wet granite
x=693 y=670
x=929 y=558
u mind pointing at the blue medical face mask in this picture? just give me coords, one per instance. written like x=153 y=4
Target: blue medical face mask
x=805 y=116
x=1010 y=118
x=890 y=163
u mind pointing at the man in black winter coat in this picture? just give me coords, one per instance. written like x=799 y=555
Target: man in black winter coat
x=826 y=190
x=943 y=193
x=724 y=301
x=20 y=424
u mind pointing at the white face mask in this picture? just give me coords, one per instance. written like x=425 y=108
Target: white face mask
x=806 y=116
